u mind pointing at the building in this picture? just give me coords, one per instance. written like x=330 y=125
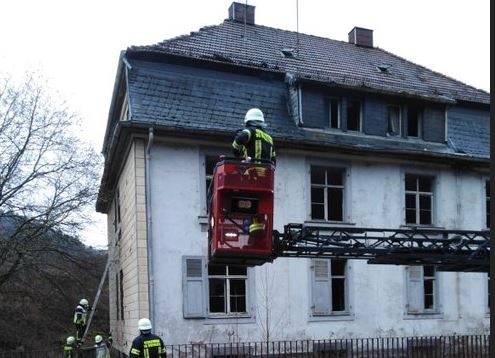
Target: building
x=364 y=138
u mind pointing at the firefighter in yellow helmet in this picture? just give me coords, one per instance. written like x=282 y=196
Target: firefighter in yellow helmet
x=147 y=344
x=253 y=141
x=69 y=347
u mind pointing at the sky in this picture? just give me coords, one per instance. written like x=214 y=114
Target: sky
x=76 y=44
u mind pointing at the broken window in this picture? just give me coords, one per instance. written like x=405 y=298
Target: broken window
x=227 y=289
x=394 y=120
x=354 y=115
x=414 y=118
x=329 y=287
x=419 y=199
x=327 y=193
x=422 y=287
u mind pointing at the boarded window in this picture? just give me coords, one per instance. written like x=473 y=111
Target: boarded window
x=327 y=193
x=418 y=199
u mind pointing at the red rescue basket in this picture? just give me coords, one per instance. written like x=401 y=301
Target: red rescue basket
x=241 y=212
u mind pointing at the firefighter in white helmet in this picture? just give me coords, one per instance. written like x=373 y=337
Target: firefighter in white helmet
x=69 y=351
x=253 y=141
x=147 y=344
x=80 y=319
x=101 y=349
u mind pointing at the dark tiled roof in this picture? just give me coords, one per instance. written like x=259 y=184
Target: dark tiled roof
x=319 y=59
x=195 y=100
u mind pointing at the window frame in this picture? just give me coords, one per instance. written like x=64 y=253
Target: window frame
x=203 y=154
x=398 y=132
x=433 y=197
x=487 y=207
x=434 y=312
x=329 y=100
x=227 y=278
x=345 y=183
x=117 y=216
x=331 y=315
x=419 y=121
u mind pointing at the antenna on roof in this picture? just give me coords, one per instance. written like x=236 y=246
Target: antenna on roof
x=297 y=28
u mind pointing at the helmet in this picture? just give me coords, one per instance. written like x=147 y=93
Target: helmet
x=98 y=338
x=84 y=302
x=144 y=324
x=254 y=115
x=70 y=340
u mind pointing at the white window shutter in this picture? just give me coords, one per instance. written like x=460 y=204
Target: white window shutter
x=321 y=287
x=415 y=289
x=193 y=287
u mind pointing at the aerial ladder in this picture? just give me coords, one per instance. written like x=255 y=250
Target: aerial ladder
x=241 y=231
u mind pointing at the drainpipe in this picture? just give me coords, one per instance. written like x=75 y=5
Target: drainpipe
x=149 y=238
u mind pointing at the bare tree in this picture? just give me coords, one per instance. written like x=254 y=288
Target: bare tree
x=48 y=177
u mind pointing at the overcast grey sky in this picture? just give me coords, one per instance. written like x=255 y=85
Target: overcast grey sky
x=76 y=44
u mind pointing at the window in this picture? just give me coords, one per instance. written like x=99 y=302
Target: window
x=117 y=298
x=227 y=289
x=334 y=112
x=414 y=116
x=354 y=115
x=327 y=193
x=329 y=287
x=419 y=199
x=220 y=291
x=487 y=203
x=116 y=215
x=121 y=292
x=488 y=292
x=210 y=163
x=394 y=120
x=422 y=289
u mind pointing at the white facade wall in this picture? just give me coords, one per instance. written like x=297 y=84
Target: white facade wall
x=377 y=293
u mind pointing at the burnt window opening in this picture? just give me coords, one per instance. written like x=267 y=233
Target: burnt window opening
x=354 y=115
x=414 y=121
x=333 y=112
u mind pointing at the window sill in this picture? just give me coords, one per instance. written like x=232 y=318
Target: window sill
x=203 y=219
x=423 y=315
x=328 y=223
x=414 y=226
x=224 y=319
x=331 y=317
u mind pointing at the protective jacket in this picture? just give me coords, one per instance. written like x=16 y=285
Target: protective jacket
x=80 y=315
x=147 y=345
x=101 y=350
x=255 y=143
x=69 y=351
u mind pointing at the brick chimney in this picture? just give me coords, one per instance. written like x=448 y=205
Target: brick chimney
x=241 y=12
x=361 y=37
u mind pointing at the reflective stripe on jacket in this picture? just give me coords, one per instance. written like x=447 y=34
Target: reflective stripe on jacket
x=255 y=143
x=147 y=346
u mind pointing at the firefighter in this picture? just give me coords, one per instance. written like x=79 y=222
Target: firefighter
x=80 y=317
x=101 y=349
x=69 y=351
x=252 y=141
x=147 y=344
